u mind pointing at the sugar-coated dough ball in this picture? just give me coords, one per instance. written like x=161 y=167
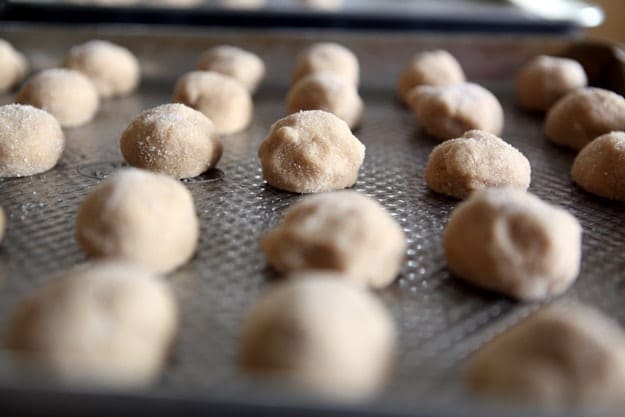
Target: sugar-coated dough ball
x=324 y=335
x=600 y=166
x=3 y=223
x=546 y=79
x=437 y=67
x=223 y=99
x=31 y=140
x=172 y=139
x=446 y=112
x=113 y=69
x=328 y=57
x=244 y=66
x=14 y=66
x=583 y=115
x=342 y=231
x=326 y=91
x=66 y=94
x=310 y=152
x=509 y=241
x=563 y=356
x=139 y=216
x=106 y=323
x=475 y=161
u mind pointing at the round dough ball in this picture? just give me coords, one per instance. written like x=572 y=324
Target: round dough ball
x=106 y=323
x=14 y=66
x=509 y=241
x=322 y=334
x=600 y=166
x=584 y=114
x=66 y=94
x=242 y=65
x=546 y=79
x=326 y=91
x=31 y=141
x=223 y=99
x=342 y=231
x=113 y=69
x=475 y=161
x=446 y=112
x=3 y=223
x=173 y=139
x=328 y=57
x=430 y=68
x=560 y=357
x=141 y=217
x=309 y=152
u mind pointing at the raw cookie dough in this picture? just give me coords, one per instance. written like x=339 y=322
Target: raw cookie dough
x=244 y=66
x=172 y=139
x=139 y=216
x=546 y=79
x=106 y=323
x=13 y=68
x=309 y=152
x=446 y=112
x=342 y=231
x=322 y=334
x=326 y=91
x=31 y=141
x=113 y=69
x=509 y=241
x=66 y=94
x=475 y=161
x=223 y=99
x=328 y=57
x=562 y=356
x=600 y=166
x=430 y=68
x=583 y=115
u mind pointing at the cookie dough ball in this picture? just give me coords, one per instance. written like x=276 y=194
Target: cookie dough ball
x=476 y=161
x=107 y=323
x=342 y=231
x=326 y=5
x=141 y=217
x=310 y=152
x=328 y=57
x=113 y=69
x=430 y=68
x=244 y=66
x=222 y=99
x=583 y=115
x=325 y=91
x=509 y=241
x=31 y=141
x=321 y=334
x=560 y=357
x=66 y=94
x=446 y=112
x=546 y=79
x=3 y=223
x=14 y=66
x=173 y=139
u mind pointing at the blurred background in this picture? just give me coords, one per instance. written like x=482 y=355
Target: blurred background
x=613 y=28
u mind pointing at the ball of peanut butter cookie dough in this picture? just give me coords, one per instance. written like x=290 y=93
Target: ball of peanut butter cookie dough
x=222 y=99
x=325 y=91
x=31 y=140
x=328 y=57
x=342 y=231
x=446 y=112
x=509 y=241
x=106 y=323
x=14 y=66
x=584 y=114
x=309 y=152
x=475 y=161
x=172 y=139
x=546 y=79
x=321 y=334
x=66 y=94
x=141 y=217
x=244 y=66
x=430 y=68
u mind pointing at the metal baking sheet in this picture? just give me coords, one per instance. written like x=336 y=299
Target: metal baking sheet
x=441 y=320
